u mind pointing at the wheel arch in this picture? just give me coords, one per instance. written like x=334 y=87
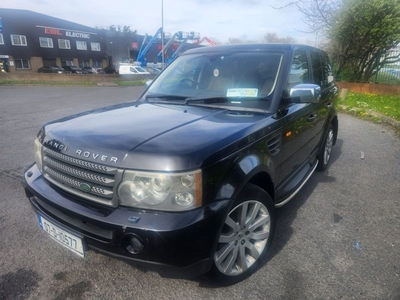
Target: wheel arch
x=264 y=181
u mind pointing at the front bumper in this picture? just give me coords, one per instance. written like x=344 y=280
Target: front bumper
x=177 y=245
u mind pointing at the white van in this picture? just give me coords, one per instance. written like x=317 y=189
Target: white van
x=130 y=69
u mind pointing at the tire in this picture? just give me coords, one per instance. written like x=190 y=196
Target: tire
x=245 y=238
x=326 y=149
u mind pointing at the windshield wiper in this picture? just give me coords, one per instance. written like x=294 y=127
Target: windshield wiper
x=165 y=97
x=223 y=99
x=207 y=100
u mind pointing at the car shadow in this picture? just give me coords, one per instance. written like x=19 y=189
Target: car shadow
x=287 y=213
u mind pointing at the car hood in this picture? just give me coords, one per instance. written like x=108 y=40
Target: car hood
x=153 y=136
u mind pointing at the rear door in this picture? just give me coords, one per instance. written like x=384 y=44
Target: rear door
x=322 y=76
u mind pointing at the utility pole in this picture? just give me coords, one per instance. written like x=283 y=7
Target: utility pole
x=162 y=32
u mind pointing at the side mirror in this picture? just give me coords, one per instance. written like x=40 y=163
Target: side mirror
x=306 y=93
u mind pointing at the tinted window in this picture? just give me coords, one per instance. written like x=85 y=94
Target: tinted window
x=317 y=68
x=299 y=69
x=327 y=70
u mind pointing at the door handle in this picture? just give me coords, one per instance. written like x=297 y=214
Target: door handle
x=311 y=118
x=329 y=105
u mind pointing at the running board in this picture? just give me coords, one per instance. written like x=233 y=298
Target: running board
x=299 y=188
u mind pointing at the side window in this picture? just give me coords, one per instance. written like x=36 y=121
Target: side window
x=327 y=70
x=299 y=69
x=317 y=68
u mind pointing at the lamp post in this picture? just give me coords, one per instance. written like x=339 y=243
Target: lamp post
x=162 y=32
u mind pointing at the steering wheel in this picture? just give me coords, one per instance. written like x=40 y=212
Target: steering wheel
x=190 y=81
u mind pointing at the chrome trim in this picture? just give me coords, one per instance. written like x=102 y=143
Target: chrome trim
x=80 y=163
x=71 y=175
x=280 y=204
x=85 y=175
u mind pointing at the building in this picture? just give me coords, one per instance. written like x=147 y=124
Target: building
x=30 y=40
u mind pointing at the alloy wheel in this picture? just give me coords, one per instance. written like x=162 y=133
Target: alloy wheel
x=243 y=238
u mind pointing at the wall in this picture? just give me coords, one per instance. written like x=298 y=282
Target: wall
x=371 y=88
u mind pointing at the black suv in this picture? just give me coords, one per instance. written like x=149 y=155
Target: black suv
x=186 y=179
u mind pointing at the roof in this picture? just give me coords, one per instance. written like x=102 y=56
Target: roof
x=14 y=16
x=246 y=47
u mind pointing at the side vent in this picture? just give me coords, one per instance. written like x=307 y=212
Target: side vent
x=274 y=144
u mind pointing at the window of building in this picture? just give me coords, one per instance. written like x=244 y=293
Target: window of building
x=97 y=64
x=64 y=44
x=81 y=45
x=18 y=40
x=46 y=42
x=49 y=62
x=83 y=63
x=1 y=39
x=66 y=62
x=22 y=64
x=95 y=46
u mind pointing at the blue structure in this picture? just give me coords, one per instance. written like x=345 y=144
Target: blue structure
x=142 y=52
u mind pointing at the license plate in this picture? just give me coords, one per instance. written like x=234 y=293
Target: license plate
x=68 y=240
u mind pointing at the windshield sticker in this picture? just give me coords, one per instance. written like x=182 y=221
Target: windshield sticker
x=216 y=72
x=242 y=92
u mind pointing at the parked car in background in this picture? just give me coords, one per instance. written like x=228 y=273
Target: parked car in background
x=89 y=70
x=73 y=69
x=51 y=69
x=110 y=70
x=100 y=71
x=132 y=69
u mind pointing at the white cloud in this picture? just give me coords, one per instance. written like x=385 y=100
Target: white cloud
x=220 y=19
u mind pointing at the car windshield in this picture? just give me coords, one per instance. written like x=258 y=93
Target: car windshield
x=141 y=70
x=241 y=78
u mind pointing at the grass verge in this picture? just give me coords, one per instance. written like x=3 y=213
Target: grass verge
x=375 y=108
x=366 y=104
x=131 y=83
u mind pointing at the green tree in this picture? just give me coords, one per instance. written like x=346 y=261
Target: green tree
x=270 y=37
x=119 y=28
x=362 y=34
x=359 y=34
x=273 y=38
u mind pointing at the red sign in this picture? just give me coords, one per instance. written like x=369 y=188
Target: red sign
x=52 y=31
x=135 y=45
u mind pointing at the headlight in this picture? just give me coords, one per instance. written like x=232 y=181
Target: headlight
x=161 y=191
x=38 y=153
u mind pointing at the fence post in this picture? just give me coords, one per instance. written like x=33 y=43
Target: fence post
x=378 y=59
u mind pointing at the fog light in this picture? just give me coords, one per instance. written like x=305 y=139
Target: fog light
x=132 y=244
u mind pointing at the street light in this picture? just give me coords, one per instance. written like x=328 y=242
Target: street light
x=162 y=32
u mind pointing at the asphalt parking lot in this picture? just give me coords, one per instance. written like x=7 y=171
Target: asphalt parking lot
x=339 y=238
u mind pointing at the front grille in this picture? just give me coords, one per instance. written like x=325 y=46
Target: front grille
x=91 y=181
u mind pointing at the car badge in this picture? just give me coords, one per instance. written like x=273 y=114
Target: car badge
x=85 y=187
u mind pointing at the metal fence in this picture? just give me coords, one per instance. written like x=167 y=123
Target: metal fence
x=389 y=68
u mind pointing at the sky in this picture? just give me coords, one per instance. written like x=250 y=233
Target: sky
x=220 y=20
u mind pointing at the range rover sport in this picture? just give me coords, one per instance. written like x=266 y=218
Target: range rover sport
x=186 y=179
